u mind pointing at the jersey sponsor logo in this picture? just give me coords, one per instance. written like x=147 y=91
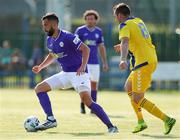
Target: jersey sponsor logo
x=59 y=55
x=76 y=40
x=90 y=42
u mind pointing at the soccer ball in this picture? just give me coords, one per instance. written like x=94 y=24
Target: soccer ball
x=30 y=123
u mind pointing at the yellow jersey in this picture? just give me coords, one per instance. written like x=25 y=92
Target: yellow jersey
x=141 y=49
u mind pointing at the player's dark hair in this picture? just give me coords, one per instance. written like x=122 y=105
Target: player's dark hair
x=122 y=8
x=51 y=16
x=91 y=12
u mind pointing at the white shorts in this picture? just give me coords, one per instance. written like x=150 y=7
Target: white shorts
x=94 y=72
x=65 y=80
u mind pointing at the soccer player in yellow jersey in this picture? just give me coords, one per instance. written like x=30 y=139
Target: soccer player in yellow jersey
x=136 y=40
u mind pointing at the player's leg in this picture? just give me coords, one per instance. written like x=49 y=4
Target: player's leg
x=94 y=88
x=82 y=106
x=94 y=73
x=82 y=86
x=98 y=110
x=137 y=109
x=41 y=90
x=143 y=80
x=155 y=111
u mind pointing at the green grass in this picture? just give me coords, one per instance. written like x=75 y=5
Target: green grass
x=17 y=104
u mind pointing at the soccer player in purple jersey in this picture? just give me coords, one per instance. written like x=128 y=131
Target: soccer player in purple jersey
x=92 y=36
x=72 y=55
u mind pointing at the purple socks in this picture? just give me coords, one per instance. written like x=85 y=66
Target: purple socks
x=94 y=95
x=98 y=110
x=45 y=103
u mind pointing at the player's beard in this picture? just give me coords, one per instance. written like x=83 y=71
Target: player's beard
x=50 y=32
x=91 y=25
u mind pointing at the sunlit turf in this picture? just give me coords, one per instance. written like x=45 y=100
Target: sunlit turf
x=17 y=104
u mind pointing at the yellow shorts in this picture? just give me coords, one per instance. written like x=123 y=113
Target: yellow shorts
x=141 y=78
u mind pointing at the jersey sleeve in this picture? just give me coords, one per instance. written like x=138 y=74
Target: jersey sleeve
x=48 y=44
x=73 y=41
x=101 y=38
x=77 y=33
x=124 y=31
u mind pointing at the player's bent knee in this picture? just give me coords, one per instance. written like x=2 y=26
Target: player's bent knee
x=137 y=97
x=94 y=85
x=42 y=87
x=82 y=89
x=38 y=88
x=86 y=98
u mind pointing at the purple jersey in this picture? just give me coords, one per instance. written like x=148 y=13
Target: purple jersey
x=92 y=38
x=65 y=49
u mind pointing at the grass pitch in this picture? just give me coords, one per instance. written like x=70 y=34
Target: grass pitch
x=17 y=104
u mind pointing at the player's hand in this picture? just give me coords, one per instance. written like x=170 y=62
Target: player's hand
x=117 y=48
x=36 y=69
x=123 y=65
x=81 y=70
x=105 y=67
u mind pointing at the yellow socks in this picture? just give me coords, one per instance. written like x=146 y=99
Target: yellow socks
x=136 y=108
x=151 y=108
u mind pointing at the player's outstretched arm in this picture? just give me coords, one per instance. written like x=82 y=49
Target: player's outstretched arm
x=102 y=51
x=47 y=61
x=85 y=56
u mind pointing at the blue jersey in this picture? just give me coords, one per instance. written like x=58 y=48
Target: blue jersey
x=92 y=38
x=65 y=49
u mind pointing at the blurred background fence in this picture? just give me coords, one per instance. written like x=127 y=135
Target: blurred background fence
x=22 y=38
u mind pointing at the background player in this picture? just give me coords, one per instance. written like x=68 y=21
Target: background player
x=72 y=55
x=92 y=36
x=135 y=37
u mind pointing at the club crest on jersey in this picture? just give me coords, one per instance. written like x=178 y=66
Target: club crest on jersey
x=96 y=36
x=61 y=44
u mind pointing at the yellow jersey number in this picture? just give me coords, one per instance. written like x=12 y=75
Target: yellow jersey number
x=144 y=30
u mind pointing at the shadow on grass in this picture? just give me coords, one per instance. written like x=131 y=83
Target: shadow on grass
x=161 y=136
x=86 y=134
x=78 y=134
x=116 y=116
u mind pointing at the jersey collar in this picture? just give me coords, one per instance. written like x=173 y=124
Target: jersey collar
x=91 y=30
x=121 y=25
x=130 y=17
x=58 y=35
